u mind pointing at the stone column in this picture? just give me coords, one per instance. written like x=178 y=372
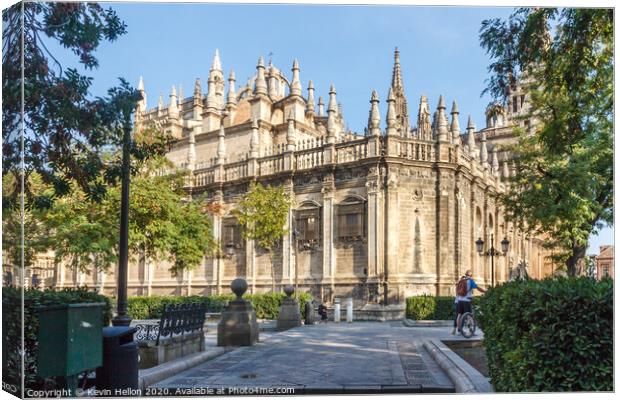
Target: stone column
x=250 y=264
x=392 y=219
x=188 y=278
x=328 y=231
x=372 y=189
x=61 y=274
x=149 y=277
x=218 y=262
x=287 y=243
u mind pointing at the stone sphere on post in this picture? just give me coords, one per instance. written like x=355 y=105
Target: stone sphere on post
x=289 y=290
x=239 y=286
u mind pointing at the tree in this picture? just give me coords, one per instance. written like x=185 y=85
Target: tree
x=563 y=187
x=262 y=214
x=28 y=225
x=162 y=226
x=64 y=127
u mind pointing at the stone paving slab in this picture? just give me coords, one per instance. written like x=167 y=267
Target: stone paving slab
x=365 y=357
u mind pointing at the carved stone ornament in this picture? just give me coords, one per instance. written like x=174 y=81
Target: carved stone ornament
x=418 y=195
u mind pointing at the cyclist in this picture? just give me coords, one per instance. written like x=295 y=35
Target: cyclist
x=464 y=302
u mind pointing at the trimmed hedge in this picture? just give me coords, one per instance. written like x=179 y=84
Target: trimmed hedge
x=428 y=307
x=12 y=326
x=266 y=305
x=550 y=335
x=151 y=307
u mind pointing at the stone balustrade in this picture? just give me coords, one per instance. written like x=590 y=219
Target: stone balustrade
x=315 y=153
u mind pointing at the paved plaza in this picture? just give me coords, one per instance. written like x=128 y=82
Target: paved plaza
x=361 y=357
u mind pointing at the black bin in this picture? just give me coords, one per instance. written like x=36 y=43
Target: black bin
x=120 y=360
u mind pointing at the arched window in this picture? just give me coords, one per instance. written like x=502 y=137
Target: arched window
x=308 y=225
x=231 y=233
x=351 y=219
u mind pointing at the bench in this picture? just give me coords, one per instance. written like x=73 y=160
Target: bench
x=179 y=332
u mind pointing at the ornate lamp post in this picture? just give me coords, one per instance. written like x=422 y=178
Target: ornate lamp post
x=492 y=252
x=121 y=318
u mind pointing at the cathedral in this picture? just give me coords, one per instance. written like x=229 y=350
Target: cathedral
x=381 y=215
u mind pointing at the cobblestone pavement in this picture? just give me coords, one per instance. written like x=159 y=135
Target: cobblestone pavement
x=362 y=357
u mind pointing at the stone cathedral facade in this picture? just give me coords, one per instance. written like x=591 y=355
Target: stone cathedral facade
x=385 y=214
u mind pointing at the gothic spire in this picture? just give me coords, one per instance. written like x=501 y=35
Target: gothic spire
x=494 y=161
x=231 y=99
x=295 y=84
x=310 y=103
x=442 y=123
x=400 y=105
x=173 y=109
x=455 y=128
x=332 y=110
x=160 y=103
x=424 y=120
x=321 y=106
x=216 y=65
x=484 y=153
x=471 y=138
x=391 y=115
x=142 y=101
x=333 y=104
x=261 y=85
x=374 y=119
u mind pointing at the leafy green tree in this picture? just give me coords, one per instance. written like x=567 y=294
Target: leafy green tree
x=563 y=187
x=28 y=225
x=262 y=214
x=162 y=225
x=65 y=128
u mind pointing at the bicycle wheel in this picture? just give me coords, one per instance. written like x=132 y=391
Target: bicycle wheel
x=468 y=325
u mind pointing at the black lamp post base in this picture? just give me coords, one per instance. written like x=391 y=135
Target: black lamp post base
x=121 y=320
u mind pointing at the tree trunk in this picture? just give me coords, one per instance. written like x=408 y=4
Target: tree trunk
x=273 y=271
x=574 y=264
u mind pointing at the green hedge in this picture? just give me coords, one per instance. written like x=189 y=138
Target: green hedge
x=12 y=320
x=428 y=307
x=151 y=307
x=266 y=305
x=550 y=335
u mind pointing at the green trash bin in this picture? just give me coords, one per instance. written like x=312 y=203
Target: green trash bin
x=69 y=340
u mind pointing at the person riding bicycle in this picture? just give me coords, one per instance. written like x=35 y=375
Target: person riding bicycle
x=464 y=294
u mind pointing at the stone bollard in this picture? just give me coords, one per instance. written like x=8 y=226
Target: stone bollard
x=238 y=326
x=350 y=309
x=310 y=317
x=289 y=316
x=336 y=310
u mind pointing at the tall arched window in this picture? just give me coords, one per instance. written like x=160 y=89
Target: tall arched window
x=351 y=219
x=308 y=225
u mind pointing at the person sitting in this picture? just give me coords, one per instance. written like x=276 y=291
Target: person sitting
x=323 y=312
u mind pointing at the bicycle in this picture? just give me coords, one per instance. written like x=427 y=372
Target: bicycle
x=468 y=324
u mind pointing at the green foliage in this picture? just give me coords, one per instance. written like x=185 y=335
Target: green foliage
x=564 y=182
x=262 y=214
x=266 y=305
x=27 y=225
x=162 y=225
x=550 y=335
x=428 y=307
x=151 y=307
x=12 y=326
x=65 y=128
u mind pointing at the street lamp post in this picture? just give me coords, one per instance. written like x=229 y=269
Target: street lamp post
x=492 y=252
x=121 y=318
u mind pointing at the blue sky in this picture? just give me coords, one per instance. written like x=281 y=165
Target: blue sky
x=349 y=46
